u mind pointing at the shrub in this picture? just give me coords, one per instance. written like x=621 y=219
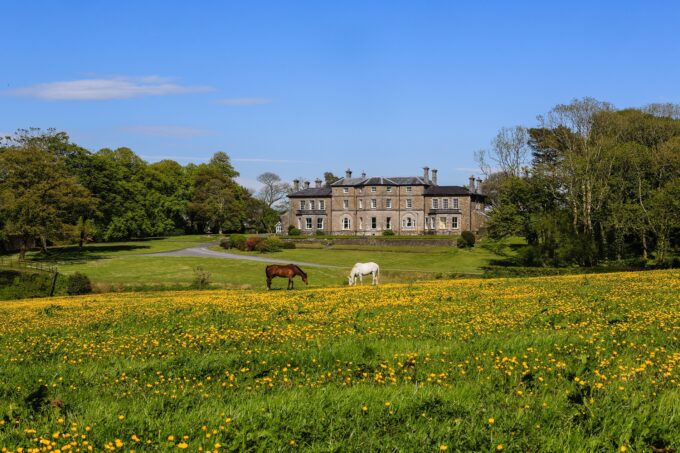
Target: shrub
x=238 y=241
x=288 y=245
x=320 y=233
x=78 y=284
x=252 y=241
x=388 y=233
x=269 y=244
x=201 y=278
x=292 y=231
x=469 y=238
x=225 y=243
x=461 y=243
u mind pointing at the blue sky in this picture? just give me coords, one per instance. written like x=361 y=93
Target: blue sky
x=300 y=88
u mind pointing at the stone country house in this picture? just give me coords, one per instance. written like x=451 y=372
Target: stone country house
x=367 y=206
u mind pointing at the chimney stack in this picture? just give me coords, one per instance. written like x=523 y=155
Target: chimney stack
x=296 y=185
x=318 y=183
x=363 y=174
x=434 y=176
x=472 y=184
x=306 y=184
x=348 y=173
x=426 y=174
x=479 y=185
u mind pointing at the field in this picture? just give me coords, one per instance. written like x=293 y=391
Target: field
x=576 y=363
x=123 y=266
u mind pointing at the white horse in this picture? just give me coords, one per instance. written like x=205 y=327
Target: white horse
x=361 y=269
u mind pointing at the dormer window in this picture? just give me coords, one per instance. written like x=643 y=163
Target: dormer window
x=373 y=189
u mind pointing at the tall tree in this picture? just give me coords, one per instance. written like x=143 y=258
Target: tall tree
x=38 y=198
x=273 y=189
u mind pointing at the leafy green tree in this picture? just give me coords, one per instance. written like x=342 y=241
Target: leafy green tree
x=218 y=202
x=38 y=198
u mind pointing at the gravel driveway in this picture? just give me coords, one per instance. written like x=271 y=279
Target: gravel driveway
x=202 y=251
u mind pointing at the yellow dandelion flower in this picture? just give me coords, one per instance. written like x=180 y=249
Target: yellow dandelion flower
x=499 y=447
x=491 y=421
x=443 y=447
x=182 y=445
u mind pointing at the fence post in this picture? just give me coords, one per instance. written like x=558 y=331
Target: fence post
x=54 y=283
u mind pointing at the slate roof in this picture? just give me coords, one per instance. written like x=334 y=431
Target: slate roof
x=320 y=192
x=383 y=181
x=447 y=190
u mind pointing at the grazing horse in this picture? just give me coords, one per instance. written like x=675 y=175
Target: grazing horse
x=361 y=269
x=288 y=271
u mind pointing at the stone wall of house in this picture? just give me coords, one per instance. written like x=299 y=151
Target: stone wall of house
x=350 y=211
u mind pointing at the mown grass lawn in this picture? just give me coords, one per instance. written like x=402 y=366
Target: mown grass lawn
x=574 y=363
x=124 y=266
x=390 y=258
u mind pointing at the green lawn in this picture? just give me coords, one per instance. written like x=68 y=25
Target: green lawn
x=123 y=266
x=392 y=258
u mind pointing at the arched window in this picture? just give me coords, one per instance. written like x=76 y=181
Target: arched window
x=346 y=223
x=408 y=222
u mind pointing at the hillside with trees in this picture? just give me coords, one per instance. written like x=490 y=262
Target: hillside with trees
x=589 y=184
x=54 y=190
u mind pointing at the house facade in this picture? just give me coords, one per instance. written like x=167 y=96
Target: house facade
x=367 y=206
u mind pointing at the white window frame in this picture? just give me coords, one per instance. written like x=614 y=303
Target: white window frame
x=409 y=203
x=455 y=222
x=442 y=223
x=322 y=205
x=308 y=223
x=409 y=189
x=319 y=223
x=388 y=203
x=374 y=189
x=455 y=203
x=312 y=204
x=345 y=190
x=388 y=189
x=346 y=223
x=388 y=223
x=303 y=205
x=405 y=223
x=435 y=203
x=374 y=203
x=445 y=203
x=345 y=204
x=361 y=204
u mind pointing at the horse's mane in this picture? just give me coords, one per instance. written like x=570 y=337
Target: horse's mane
x=299 y=270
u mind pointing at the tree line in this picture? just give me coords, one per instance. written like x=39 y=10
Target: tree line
x=589 y=183
x=54 y=190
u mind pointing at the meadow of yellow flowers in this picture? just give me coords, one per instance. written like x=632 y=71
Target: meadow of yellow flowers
x=574 y=363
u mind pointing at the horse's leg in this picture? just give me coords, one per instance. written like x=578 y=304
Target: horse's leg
x=269 y=283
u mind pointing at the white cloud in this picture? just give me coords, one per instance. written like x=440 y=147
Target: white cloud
x=244 y=101
x=162 y=130
x=102 y=89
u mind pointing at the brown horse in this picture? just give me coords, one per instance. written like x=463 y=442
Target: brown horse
x=288 y=271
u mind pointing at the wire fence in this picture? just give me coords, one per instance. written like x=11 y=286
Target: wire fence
x=19 y=264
